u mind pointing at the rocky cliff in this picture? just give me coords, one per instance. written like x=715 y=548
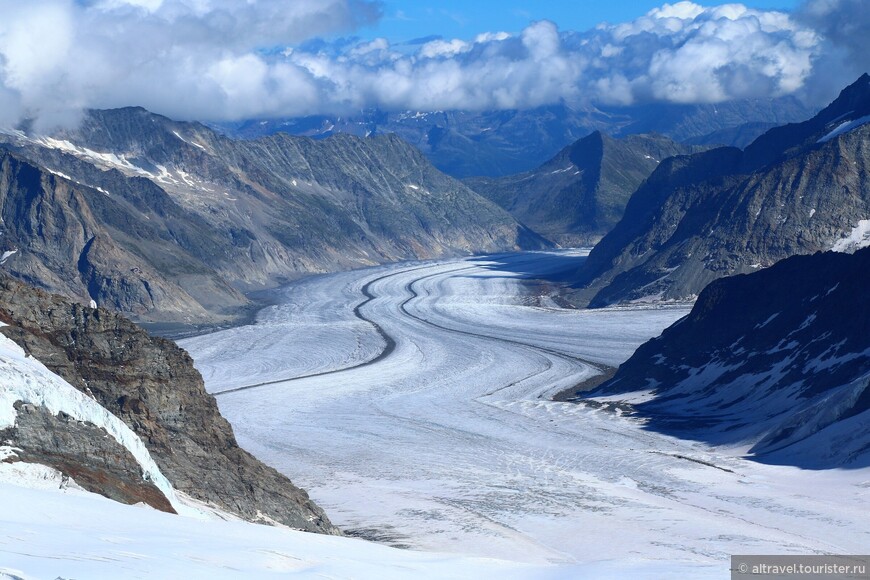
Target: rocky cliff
x=170 y=221
x=136 y=250
x=797 y=189
x=580 y=194
x=152 y=386
x=777 y=362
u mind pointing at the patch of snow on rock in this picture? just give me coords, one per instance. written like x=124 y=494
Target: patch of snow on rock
x=6 y=255
x=23 y=378
x=857 y=239
x=845 y=127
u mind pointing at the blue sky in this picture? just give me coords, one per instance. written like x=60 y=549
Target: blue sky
x=464 y=19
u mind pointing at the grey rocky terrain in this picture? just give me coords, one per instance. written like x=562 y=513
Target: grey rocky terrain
x=797 y=189
x=778 y=360
x=169 y=221
x=151 y=384
x=580 y=194
x=135 y=251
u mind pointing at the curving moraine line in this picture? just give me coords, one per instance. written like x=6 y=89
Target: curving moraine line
x=390 y=342
x=409 y=287
x=389 y=347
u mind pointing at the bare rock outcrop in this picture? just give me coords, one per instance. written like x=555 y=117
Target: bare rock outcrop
x=151 y=384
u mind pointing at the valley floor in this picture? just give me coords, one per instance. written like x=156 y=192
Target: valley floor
x=423 y=419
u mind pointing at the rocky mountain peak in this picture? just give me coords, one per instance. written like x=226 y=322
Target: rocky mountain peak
x=853 y=101
x=798 y=189
x=578 y=195
x=851 y=106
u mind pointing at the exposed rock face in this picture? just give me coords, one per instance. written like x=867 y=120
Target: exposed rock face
x=779 y=358
x=579 y=195
x=82 y=451
x=499 y=143
x=135 y=251
x=174 y=218
x=151 y=384
x=797 y=189
x=460 y=143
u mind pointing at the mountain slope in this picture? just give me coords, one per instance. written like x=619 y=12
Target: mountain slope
x=797 y=189
x=151 y=385
x=460 y=143
x=500 y=143
x=778 y=360
x=686 y=122
x=580 y=194
x=181 y=216
x=135 y=251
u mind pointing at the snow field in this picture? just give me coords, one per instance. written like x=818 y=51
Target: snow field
x=451 y=443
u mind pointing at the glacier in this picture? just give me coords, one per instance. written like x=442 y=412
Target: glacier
x=451 y=443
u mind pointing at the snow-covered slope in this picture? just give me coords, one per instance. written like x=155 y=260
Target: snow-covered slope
x=777 y=361
x=24 y=379
x=52 y=528
x=450 y=441
x=67 y=533
x=151 y=385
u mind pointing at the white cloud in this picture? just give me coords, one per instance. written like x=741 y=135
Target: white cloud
x=845 y=25
x=681 y=53
x=231 y=59
x=442 y=48
x=186 y=58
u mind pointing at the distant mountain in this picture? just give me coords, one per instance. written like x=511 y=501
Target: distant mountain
x=578 y=196
x=109 y=371
x=499 y=143
x=797 y=189
x=777 y=361
x=169 y=221
x=739 y=136
x=460 y=143
x=687 y=122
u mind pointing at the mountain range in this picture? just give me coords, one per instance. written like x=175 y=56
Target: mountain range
x=172 y=222
x=499 y=143
x=797 y=189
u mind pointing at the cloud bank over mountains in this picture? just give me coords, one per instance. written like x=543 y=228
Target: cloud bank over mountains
x=226 y=59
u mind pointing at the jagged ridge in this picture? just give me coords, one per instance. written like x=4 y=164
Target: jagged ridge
x=778 y=359
x=726 y=211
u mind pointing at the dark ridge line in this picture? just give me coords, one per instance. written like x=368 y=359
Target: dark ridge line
x=693 y=460
x=410 y=288
x=389 y=347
